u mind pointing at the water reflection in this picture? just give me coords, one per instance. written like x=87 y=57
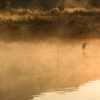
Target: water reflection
x=89 y=92
x=28 y=70
x=84 y=54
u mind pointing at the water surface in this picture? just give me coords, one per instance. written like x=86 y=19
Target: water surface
x=49 y=71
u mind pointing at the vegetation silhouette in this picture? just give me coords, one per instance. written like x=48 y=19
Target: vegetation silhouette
x=67 y=23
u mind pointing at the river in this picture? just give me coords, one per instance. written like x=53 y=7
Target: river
x=49 y=71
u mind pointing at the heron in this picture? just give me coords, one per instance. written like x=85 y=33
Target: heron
x=84 y=45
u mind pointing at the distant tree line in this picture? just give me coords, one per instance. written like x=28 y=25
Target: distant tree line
x=5 y=5
x=46 y=4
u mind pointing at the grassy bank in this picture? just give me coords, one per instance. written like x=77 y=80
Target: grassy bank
x=53 y=16
x=20 y=24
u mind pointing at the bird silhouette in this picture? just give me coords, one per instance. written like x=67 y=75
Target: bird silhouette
x=84 y=45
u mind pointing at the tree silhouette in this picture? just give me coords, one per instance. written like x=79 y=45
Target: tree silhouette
x=60 y=8
x=5 y=5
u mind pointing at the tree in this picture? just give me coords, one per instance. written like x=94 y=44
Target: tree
x=5 y=5
x=31 y=5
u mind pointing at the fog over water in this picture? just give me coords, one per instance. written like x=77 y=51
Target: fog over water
x=50 y=33
x=48 y=60
x=30 y=69
x=41 y=55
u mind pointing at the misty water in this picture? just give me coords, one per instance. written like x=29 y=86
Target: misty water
x=49 y=71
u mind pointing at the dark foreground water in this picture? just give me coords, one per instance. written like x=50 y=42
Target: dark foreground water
x=44 y=71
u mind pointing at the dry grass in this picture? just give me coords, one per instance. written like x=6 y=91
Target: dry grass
x=53 y=16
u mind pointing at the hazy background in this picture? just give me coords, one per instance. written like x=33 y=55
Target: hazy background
x=48 y=4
